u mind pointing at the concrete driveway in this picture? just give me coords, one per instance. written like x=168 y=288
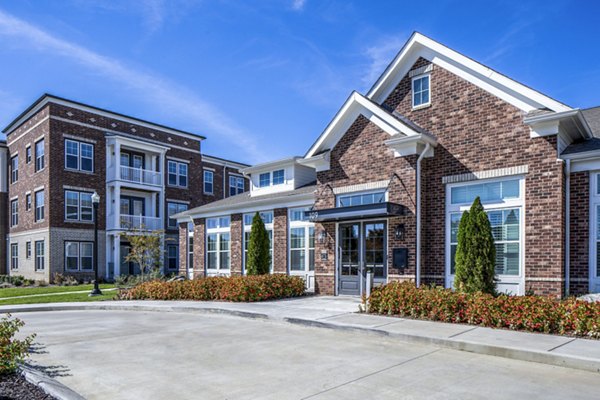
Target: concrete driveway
x=161 y=355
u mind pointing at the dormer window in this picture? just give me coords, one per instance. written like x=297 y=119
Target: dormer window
x=264 y=179
x=420 y=90
x=278 y=177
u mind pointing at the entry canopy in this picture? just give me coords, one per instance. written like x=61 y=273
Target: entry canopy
x=385 y=209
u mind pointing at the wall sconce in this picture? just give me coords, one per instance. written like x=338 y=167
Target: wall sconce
x=322 y=237
x=399 y=231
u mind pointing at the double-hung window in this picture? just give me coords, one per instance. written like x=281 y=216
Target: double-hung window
x=172 y=257
x=236 y=185
x=14 y=256
x=28 y=202
x=420 y=91
x=503 y=202
x=78 y=206
x=79 y=156
x=39 y=155
x=28 y=249
x=79 y=256
x=28 y=154
x=39 y=205
x=302 y=242
x=218 y=244
x=209 y=177
x=39 y=255
x=14 y=169
x=267 y=218
x=14 y=212
x=177 y=173
x=172 y=209
x=264 y=179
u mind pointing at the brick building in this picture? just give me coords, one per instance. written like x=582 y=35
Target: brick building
x=59 y=152
x=384 y=186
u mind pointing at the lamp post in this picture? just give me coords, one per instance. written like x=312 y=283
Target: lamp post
x=95 y=202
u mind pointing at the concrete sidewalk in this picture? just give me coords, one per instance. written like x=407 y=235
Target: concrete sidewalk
x=341 y=313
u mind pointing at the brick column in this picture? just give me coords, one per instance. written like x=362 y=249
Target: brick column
x=237 y=248
x=280 y=243
x=580 y=225
x=199 y=251
x=325 y=259
x=183 y=248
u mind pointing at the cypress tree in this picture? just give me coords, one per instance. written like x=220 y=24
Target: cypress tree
x=259 y=246
x=476 y=253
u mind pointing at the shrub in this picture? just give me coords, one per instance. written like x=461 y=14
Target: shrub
x=12 y=351
x=475 y=252
x=125 y=281
x=15 y=280
x=235 y=288
x=525 y=313
x=259 y=248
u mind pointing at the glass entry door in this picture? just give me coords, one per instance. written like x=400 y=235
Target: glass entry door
x=361 y=245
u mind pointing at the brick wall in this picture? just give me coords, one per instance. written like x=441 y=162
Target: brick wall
x=580 y=232
x=236 y=230
x=280 y=241
x=199 y=248
x=183 y=248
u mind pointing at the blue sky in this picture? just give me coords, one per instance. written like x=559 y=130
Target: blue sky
x=261 y=79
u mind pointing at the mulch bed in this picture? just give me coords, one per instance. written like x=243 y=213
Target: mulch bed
x=14 y=386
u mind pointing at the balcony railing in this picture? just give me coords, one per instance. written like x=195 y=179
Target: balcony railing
x=140 y=222
x=139 y=175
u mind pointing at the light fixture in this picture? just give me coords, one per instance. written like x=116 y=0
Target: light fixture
x=95 y=198
x=322 y=236
x=399 y=231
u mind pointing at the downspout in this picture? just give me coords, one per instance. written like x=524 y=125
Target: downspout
x=418 y=250
x=568 y=227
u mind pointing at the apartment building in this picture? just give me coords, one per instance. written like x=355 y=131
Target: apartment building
x=59 y=152
x=384 y=185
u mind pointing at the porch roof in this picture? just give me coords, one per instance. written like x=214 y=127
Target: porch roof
x=385 y=209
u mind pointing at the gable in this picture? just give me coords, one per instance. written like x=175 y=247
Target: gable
x=420 y=46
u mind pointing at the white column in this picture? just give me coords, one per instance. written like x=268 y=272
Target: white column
x=117 y=206
x=116 y=242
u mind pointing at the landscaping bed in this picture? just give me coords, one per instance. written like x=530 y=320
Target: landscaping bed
x=522 y=313
x=15 y=386
x=235 y=288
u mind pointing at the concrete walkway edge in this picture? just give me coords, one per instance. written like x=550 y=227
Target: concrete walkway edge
x=50 y=386
x=544 y=357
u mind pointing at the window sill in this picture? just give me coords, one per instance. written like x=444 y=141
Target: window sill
x=422 y=106
x=40 y=170
x=80 y=171
x=70 y=221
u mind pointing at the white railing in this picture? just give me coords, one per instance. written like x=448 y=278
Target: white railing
x=139 y=222
x=139 y=175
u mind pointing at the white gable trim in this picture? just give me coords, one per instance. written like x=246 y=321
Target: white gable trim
x=493 y=82
x=357 y=105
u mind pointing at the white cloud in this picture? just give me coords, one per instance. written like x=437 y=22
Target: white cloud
x=298 y=5
x=154 y=90
x=379 y=56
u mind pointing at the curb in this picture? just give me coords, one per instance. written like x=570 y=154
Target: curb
x=543 y=357
x=50 y=386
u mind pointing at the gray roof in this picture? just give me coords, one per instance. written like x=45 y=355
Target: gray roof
x=592 y=116
x=582 y=146
x=244 y=199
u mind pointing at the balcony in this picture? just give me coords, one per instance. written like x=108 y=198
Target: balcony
x=141 y=176
x=141 y=222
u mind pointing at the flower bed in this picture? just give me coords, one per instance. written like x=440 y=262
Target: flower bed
x=235 y=288
x=524 y=313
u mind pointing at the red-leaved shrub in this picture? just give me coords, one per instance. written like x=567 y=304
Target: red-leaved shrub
x=235 y=288
x=523 y=313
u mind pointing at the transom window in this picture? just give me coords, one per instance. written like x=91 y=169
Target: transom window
x=178 y=173
x=420 y=90
x=487 y=192
x=208 y=181
x=360 y=199
x=236 y=185
x=79 y=256
x=78 y=206
x=79 y=156
x=217 y=222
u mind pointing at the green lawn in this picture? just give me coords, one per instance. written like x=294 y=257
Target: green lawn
x=24 y=291
x=59 y=298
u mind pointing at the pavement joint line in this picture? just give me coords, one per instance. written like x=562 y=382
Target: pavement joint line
x=333 y=316
x=372 y=374
x=460 y=333
x=390 y=323
x=561 y=345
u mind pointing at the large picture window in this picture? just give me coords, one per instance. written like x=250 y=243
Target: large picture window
x=218 y=244
x=503 y=201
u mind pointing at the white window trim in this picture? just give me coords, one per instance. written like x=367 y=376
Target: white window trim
x=177 y=174
x=305 y=225
x=248 y=228
x=14 y=266
x=37 y=257
x=78 y=220
x=362 y=192
x=508 y=204
x=176 y=257
x=169 y=219
x=37 y=157
x=594 y=204
x=212 y=173
x=412 y=91
x=79 y=157
x=237 y=179
x=79 y=243
x=37 y=206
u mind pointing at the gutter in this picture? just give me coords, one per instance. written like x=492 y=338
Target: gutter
x=573 y=114
x=418 y=250
x=567 y=227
